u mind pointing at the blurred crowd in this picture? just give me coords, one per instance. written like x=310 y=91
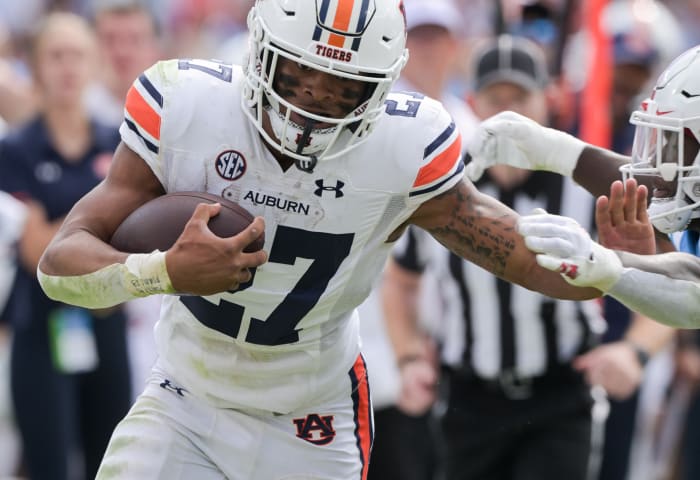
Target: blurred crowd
x=65 y=68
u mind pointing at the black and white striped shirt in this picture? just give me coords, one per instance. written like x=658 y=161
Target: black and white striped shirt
x=488 y=326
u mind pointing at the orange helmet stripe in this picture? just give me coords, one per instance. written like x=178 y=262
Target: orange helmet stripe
x=341 y=22
x=336 y=40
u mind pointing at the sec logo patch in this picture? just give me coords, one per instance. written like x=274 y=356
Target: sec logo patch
x=230 y=165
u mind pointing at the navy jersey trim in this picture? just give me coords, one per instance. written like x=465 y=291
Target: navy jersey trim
x=151 y=89
x=132 y=126
x=431 y=188
x=442 y=138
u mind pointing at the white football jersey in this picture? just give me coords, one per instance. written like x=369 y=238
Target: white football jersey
x=283 y=339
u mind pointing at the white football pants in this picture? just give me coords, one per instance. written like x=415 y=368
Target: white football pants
x=170 y=434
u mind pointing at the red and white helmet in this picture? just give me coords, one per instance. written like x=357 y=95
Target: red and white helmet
x=354 y=39
x=667 y=141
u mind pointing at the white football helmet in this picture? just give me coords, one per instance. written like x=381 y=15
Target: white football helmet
x=667 y=141
x=355 y=39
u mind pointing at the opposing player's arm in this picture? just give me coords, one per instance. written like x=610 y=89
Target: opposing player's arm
x=482 y=230
x=511 y=139
x=597 y=168
x=665 y=287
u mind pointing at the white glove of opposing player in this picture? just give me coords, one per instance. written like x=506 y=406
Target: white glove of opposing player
x=511 y=139
x=564 y=246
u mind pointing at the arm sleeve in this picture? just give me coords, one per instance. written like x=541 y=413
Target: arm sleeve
x=140 y=275
x=674 y=302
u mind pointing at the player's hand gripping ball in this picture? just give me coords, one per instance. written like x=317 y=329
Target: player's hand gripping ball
x=158 y=224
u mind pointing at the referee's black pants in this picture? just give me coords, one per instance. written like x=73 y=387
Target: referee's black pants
x=491 y=436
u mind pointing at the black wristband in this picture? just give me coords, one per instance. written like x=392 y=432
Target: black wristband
x=642 y=355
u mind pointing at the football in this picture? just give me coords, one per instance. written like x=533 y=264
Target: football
x=158 y=224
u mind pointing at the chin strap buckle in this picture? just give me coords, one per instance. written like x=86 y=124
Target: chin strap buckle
x=307 y=165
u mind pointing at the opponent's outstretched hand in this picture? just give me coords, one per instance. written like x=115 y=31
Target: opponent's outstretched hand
x=563 y=246
x=622 y=220
x=511 y=139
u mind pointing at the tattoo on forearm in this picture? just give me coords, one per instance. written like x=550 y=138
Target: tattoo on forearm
x=489 y=245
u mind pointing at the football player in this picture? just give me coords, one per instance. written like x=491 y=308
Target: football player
x=665 y=156
x=259 y=374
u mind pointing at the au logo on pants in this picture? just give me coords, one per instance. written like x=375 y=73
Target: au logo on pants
x=315 y=429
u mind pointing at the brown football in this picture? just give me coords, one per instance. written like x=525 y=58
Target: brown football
x=158 y=224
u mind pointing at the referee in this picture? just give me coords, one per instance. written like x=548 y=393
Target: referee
x=515 y=406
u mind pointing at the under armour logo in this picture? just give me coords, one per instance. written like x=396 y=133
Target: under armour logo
x=325 y=188
x=569 y=269
x=315 y=429
x=169 y=386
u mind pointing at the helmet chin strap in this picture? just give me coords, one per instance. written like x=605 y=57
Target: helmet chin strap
x=306 y=165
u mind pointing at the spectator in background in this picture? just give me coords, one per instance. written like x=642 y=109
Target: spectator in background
x=17 y=102
x=687 y=13
x=234 y=49
x=199 y=28
x=69 y=366
x=20 y=16
x=127 y=35
x=129 y=39
x=635 y=61
x=433 y=40
x=406 y=446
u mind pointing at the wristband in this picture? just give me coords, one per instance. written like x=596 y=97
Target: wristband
x=561 y=152
x=142 y=274
x=148 y=274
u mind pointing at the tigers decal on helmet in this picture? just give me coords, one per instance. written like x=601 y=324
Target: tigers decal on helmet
x=342 y=22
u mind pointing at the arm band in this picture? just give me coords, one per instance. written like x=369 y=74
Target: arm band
x=141 y=275
x=667 y=300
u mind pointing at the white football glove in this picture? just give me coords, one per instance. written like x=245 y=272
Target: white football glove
x=511 y=139
x=563 y=246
